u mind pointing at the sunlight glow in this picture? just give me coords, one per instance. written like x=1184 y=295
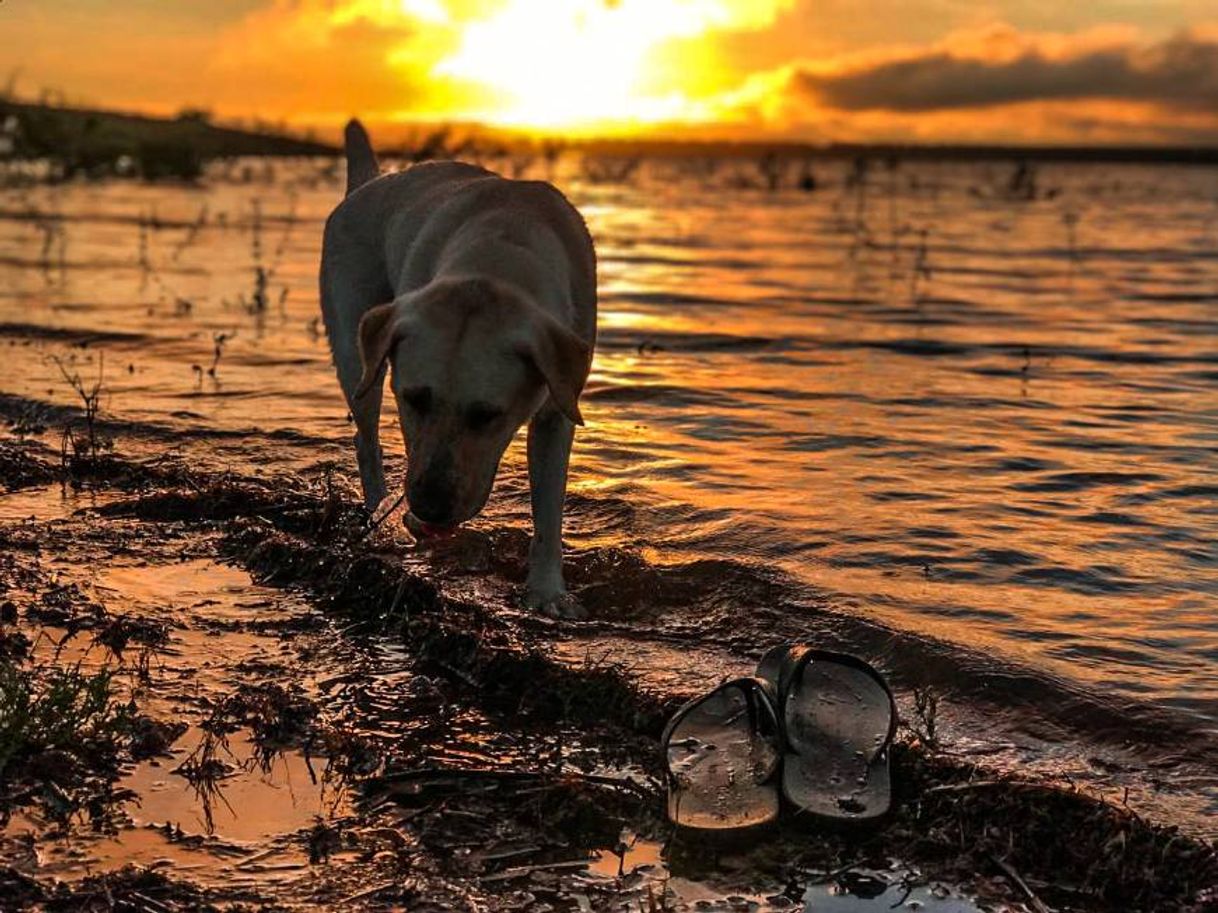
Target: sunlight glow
x=586 y=62
x=432 y=11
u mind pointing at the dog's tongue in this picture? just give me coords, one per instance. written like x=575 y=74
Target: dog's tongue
x=421 y=529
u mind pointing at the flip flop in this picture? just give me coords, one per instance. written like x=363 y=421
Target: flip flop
x=838 y=719
x=722 y=752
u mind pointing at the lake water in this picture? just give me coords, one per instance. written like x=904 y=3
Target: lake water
x=978 y=428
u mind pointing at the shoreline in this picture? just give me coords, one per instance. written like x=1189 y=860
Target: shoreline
x=225 y=140
x=534 y=693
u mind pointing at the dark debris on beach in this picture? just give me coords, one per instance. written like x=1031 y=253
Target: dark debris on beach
x=505 y=818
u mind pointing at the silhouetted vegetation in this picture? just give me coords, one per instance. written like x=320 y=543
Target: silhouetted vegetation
x=79 y=142
x=82 y=447
x=609 y=170
x=56 y=710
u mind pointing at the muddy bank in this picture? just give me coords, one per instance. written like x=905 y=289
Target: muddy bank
x=451 y=750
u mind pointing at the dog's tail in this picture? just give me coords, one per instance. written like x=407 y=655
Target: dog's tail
x=361 y=160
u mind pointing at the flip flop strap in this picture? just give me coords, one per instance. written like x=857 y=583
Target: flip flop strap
x=798 y=657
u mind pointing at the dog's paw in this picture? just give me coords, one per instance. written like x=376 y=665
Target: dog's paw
x=561 y=604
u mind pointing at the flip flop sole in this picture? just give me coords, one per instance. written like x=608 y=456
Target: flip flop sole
x=836 y=785
x=721 y=763
x=839 y=718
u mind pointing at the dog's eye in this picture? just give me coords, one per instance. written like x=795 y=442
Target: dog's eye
x=418 y=399
x=480 y=416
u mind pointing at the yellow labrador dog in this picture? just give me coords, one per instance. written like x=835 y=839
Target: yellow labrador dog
x=481 y=293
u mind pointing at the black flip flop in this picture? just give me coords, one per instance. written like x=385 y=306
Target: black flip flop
x=838 y=718
x=722 y=752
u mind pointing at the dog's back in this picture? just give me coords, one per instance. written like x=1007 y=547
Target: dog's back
x=397 y=225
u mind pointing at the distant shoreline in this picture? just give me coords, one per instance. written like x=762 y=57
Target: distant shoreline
x=115 y=130
x=123 y=133
x=1181 y=155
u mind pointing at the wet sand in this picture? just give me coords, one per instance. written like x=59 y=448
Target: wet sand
x=353 y=721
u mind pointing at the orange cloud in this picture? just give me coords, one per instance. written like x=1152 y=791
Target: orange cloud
x=995 y=83
x=1001 y=66
x=323 y=60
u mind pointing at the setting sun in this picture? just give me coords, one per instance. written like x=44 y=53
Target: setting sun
x=588 y=63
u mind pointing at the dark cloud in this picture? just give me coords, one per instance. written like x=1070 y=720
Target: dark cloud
x=1181 y=72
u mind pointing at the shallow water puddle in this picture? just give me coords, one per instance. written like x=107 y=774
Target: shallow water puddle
x=209 y=589
x=865 y=894
x=251 y=820
x=254 y=802
x=50 y=502
x=209 y=861
x=643 y=870
x=639 y=857
x=249 y=826
x=643 y=865
x=252 y=823
x=207 y=607
x=215 y=604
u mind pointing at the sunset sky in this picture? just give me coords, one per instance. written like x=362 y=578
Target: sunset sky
x=919 y=70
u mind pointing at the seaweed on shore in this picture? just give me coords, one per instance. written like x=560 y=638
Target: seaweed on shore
x=1081 y=850
x=21 y=467
x=130 y=888
x=458 y=640
x=1006 y=836
x=1077 y=848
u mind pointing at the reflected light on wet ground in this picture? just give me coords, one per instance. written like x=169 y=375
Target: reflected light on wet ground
x=245 y=823
x=641 y=868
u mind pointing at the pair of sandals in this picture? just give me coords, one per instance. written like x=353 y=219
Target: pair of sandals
x=810 y=727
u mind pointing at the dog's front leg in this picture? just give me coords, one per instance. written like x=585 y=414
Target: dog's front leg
x=366 y=411
x=550 y=437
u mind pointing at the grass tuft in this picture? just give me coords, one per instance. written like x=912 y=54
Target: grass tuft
x=60 y=709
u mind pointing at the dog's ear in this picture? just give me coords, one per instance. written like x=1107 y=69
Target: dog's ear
x=377 y=337
x=563 y=360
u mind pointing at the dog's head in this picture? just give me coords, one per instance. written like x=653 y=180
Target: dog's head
x=473 y=360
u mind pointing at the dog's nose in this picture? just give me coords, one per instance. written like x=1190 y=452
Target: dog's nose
x=432 y=510
x=433 y=498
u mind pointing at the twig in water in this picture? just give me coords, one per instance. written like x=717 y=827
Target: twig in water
x=926 y=708
x=524 y=870
x=987 y=784
x=921 y=267
x=91 y=444
x=145 y=262
x=838 y=872
x=375 y=524
x=1070 y=219
x=259 y=302
x=219 y=339
x=1037 y=904
x=192 y=233
x=365 y=894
